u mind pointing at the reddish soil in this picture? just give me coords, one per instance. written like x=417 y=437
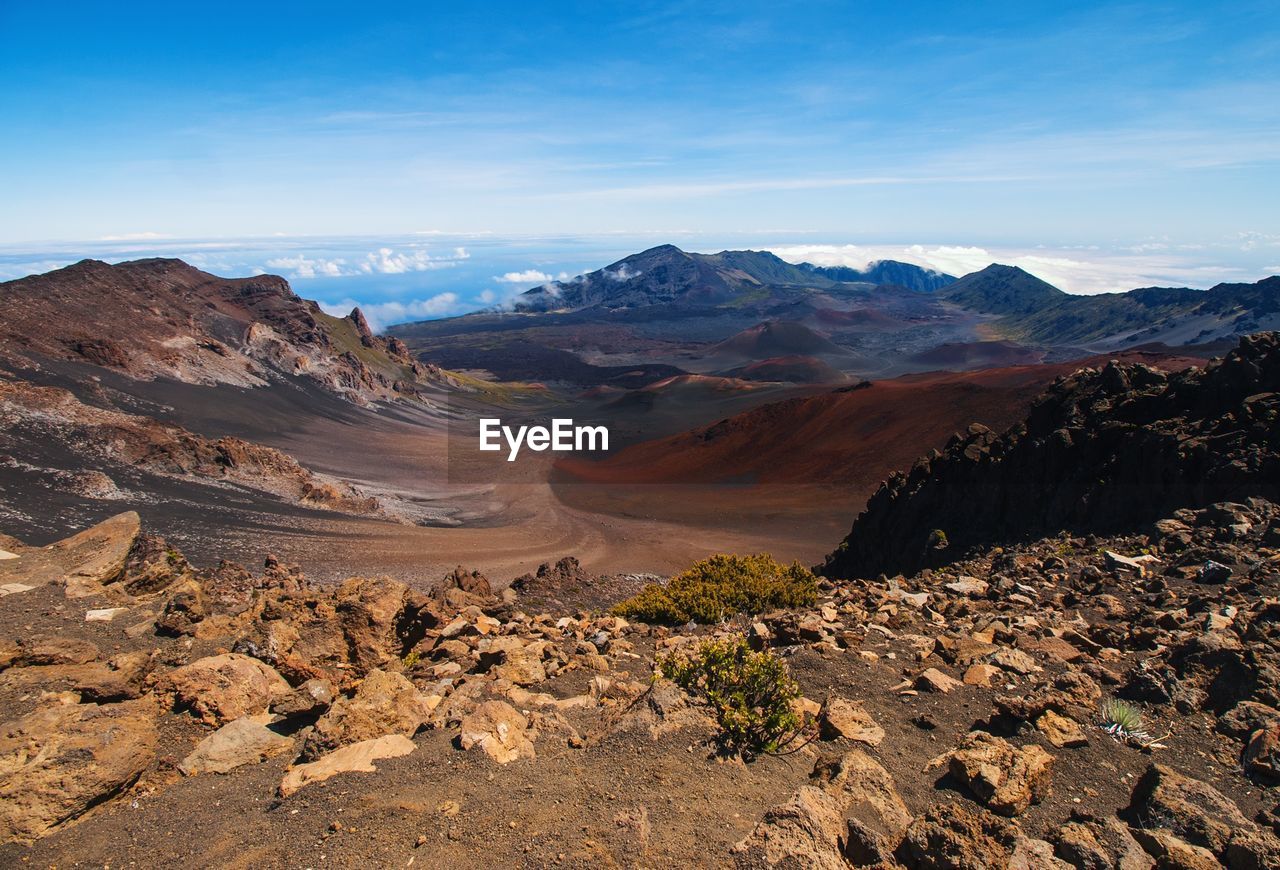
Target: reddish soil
x=853 y=437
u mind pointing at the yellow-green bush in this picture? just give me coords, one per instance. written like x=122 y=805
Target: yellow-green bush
x=751 y=693
x=721 y=586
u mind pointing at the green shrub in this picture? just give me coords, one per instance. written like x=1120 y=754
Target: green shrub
x=721 y=586
x=750 y=693
x=1121 y=719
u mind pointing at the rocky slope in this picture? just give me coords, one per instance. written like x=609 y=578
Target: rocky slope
x=90 y=450
x=1106 y=449
x=957 y=716
x=164 y=318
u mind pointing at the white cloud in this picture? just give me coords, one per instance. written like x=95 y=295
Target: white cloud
x=382 y=314
x=387 y=261
x=528 y=276
x=134 y=237
x=35 y=267
x=622 y=273
x=383 y=261
x=308 y=267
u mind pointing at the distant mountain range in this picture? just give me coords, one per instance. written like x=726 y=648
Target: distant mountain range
x=666 y=275
x=653 y=315
x=711 y=313
x=1021 y=306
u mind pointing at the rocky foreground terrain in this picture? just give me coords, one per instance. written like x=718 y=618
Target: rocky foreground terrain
x=962 y=715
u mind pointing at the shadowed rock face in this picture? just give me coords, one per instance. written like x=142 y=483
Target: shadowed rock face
x=1102 y=451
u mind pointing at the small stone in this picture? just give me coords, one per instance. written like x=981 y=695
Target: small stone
x=968 y=586
x=934 y=680
x=980 y=674
x=1013 y=660
x=850 y=720
x=355 y=757
x=1213 y=572
x=1137 y=565
x=500 y=730
x=105 y=614
x=1061 y=731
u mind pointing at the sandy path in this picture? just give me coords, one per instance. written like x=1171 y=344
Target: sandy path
x=535 y=527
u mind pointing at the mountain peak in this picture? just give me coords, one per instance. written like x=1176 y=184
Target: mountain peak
x=667 y=275
x=1001 y=289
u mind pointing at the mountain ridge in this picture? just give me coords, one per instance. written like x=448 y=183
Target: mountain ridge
x=162 y=317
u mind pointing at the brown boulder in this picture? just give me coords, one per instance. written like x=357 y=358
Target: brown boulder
x=953 y=837
x=353 y=758
x=338 y=635
x=510 y=658
x=119 y=678
x=1061 y=731
x=868 y=797
x=499 y=729
x=1173 y=853
x=312 y=697
x=934 y=680
x=1007 y=779
x=840 y=717
x=154 y=566
x=1171 y=810
x=184 y=610
x=1261 y=756
x=381 y=619
x=804 y=832
x=82 y=564
x=244 y=741
x=224 y=687
x=384 y=703
x=58 y=762
x=57 y=651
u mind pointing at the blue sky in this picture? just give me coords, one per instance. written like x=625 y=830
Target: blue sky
x=1001 y=126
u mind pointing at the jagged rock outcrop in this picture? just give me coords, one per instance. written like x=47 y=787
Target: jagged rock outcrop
x=1102 y=451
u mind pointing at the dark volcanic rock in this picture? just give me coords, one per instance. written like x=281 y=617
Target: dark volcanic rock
x=1102 y=451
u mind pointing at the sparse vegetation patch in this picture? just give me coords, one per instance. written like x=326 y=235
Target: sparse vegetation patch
x=721 y=586
x=751 y=693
